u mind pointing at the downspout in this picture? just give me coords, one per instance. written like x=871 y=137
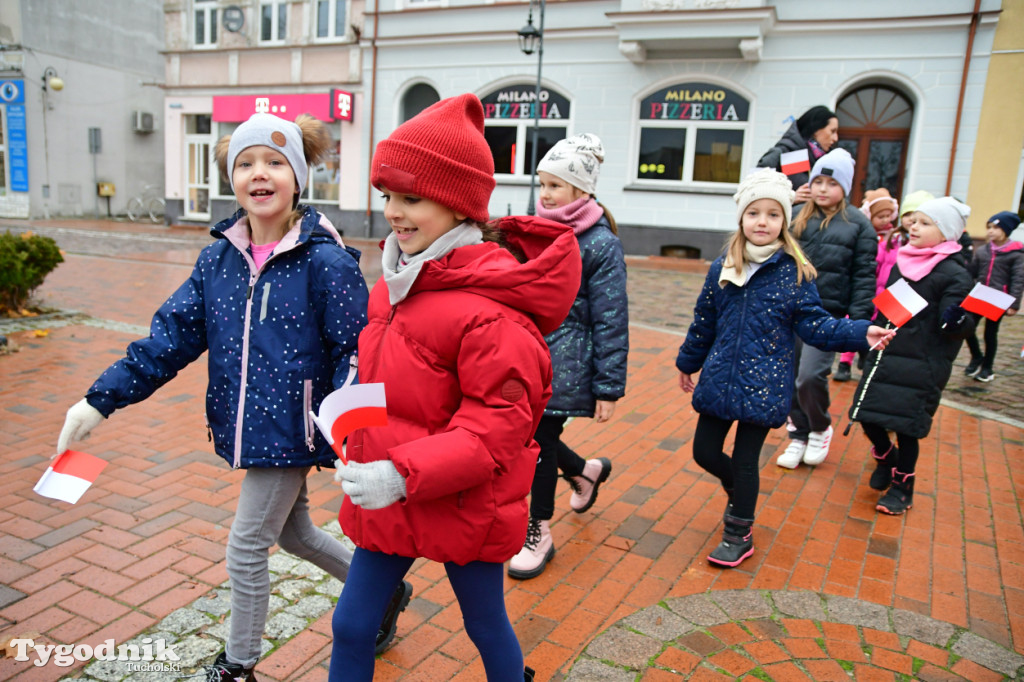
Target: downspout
x=373 y=116
x=963 y=89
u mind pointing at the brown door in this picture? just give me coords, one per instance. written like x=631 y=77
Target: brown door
x=874 y=126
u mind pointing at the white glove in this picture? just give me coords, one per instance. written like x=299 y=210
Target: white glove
x=82 y=418
x=373 y=485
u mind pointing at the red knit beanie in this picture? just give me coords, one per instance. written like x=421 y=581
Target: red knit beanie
x=440 y=154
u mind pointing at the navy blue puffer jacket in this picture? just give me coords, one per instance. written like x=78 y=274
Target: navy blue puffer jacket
x=742 y=340
x=280 y=339
x=588 y=351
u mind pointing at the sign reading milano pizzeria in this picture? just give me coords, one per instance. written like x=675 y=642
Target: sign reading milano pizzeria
x=694 y=102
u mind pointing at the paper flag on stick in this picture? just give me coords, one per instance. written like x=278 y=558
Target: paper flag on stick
x=69 y=476
x=349 y=408
x=899 y=302
x=987 y=301
x=795 y=162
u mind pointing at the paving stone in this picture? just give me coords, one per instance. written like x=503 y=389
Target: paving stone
x=310 y=607
x=284 y=625
x=281 y=562
x=290 y=590
x=595 y=671
x=308 y=570
x=216 y=605
x=742 y=604
x=698 y=609
x=624 y=647
x=658 y=622
x=799 y=604
x=9 y=595
x=989 y=654
x=922 y=628
x=857 y=612
x=330 y=587
x=184 y=621
x=197 y=650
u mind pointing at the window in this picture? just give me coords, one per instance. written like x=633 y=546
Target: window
x=273 y=21
x=691 y=134
x=416 y=99
x=509 y=124
x=205 y=23
x=330 y=19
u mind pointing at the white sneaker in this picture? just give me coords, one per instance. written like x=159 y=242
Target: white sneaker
x=817 y=446
x=792 y=455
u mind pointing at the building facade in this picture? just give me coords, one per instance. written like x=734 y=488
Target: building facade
x=80 y=105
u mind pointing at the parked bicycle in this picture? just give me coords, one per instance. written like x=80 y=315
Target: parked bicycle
x=146 y=206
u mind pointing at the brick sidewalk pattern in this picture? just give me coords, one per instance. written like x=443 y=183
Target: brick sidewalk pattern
x=833 y=591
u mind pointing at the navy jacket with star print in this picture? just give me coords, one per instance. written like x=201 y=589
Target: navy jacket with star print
x=280 y=339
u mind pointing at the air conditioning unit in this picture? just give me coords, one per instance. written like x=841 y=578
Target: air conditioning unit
x=142 y=121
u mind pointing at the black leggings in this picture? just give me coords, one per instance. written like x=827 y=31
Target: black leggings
x=908 y=446
x=739 y=472
x=991 y=343
x=554 y=455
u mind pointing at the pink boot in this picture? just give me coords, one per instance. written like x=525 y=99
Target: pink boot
x=536 y=552
x=584 y=486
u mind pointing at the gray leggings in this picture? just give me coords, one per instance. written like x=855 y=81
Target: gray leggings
x=273 y=507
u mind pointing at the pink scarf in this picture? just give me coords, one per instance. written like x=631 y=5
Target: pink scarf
x=914 y=262
x=580 y=215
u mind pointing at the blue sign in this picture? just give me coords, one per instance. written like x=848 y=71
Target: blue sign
x=12 y=94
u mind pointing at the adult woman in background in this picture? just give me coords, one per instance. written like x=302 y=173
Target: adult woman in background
x=817 y=131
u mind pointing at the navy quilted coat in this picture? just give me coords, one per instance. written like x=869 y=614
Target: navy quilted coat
x=588 y=351
x=742 y=339
x=280 y=339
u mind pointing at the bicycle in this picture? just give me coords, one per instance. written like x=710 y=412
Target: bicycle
x=146 y=205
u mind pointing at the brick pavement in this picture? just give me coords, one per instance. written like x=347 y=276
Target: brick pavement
x=938 y=594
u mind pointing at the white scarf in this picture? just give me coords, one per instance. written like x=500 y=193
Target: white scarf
x=755 y=256
x=400 y=277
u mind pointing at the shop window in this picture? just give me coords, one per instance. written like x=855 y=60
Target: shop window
x=204 y=19
x=416 y=99
x=691 y=134
x=330 y=19
x=273 y=22
x=509 y=126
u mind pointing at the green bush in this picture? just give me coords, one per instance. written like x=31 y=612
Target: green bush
x=25 y=261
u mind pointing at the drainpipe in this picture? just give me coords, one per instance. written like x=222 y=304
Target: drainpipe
x=963 y=88
x=373 y=116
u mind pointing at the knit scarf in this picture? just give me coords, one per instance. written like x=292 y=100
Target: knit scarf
x=400 y=271
x=816 y=149
x=916 y=262
x=580 y=215
x=755 y=256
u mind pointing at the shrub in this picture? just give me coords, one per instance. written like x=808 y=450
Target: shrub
x=25 y=261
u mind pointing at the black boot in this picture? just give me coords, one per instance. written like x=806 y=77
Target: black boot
x=388 y=626
x=900 y=496
x=528 y=674
x=842 y=372
x=222 y=671
x=737 y=542
x=882 y=475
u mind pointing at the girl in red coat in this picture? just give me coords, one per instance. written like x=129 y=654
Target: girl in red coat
x=455 y=332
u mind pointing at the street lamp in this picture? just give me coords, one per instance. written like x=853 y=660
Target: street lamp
x=530 y=39
x=51 y=82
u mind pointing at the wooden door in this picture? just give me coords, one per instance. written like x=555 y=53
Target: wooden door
x=874 y=126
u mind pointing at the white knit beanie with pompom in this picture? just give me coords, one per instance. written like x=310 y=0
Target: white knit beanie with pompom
x=764 y=183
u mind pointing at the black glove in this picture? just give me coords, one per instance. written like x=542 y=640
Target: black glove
x=953 y=318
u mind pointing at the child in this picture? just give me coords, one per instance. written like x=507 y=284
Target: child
x=880 y=208
x=901 y=387
x=279 y=302
x=756 y=300
x=1000 y=265
x=909 y=206
x=588 y=352
x=841 y=245
x=455 y=333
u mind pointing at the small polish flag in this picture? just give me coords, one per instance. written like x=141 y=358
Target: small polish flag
x=796 y=162
x=70 y=476
x=987 y=301
x=899 y=302
x=351 y=407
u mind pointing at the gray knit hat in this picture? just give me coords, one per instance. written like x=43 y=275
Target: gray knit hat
x=838 y=165
x=764 y=183
x=949 y=215
x=267 y=130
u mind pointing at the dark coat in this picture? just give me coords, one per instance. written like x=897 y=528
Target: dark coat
x=1002 y=269
x=742 y=341
x=845 y=256
x=588 y=352
x=901 y=385
x=790 y=141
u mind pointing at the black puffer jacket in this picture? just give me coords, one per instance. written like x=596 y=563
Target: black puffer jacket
x=902 y=384
x=844 y=254
x=790 y=141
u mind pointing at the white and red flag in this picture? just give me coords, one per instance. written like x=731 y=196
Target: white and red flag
x=69 y=476
x=899 y=302
x=351 y=407
x=796 y=162
x=987 y=301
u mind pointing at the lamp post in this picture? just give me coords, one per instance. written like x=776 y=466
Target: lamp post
x=51 y=81
x=530 y=39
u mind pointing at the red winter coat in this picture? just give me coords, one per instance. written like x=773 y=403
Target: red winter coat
x=467 y=374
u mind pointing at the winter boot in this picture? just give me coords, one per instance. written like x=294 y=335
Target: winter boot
x=842 y=372
x=882 y=475
x=737 y=542
x=528 y=674
x=900 y=496
x=222 y=671
x=388 y=626
x=536 y=552
x=584 y=486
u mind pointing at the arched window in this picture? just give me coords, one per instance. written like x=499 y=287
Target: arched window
x=508 y=127
x=416 y=99
x=874 y=126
